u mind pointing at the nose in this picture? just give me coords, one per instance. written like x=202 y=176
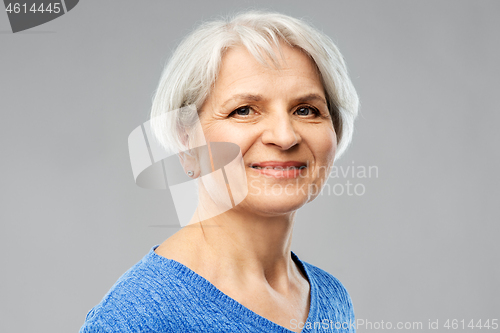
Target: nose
x=280 y=131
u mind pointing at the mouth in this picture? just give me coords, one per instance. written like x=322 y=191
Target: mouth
x=279 y=165
x=278 y=169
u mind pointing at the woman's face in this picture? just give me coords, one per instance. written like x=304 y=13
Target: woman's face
x=280 y=121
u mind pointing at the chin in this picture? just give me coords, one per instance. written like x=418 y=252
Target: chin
x=274 y=204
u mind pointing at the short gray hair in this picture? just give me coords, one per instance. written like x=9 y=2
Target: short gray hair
x=193 y=68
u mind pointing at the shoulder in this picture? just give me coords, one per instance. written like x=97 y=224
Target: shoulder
x=331 y=298
x=132 y=302
x=326 y=282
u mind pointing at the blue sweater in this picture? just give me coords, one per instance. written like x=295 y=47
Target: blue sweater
x=162 y=295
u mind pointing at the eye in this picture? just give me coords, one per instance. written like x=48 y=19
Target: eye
x=306 y=111
x=242 y=111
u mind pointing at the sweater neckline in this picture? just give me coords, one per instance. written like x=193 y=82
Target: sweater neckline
x=221 y=299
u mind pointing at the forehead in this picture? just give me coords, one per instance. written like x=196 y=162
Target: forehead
x=240 y=67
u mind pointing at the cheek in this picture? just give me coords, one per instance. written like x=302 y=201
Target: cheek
x=333 y=145
x=325 y=145
x=243 y=136
x=324 y=149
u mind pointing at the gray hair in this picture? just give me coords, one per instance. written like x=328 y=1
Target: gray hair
x=193 y=68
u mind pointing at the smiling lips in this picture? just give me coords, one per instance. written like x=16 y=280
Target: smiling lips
x=277 y=169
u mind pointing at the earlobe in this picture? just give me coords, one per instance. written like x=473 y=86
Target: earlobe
x=190 y=164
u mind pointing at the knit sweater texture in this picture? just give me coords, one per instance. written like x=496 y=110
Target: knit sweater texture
x=162 y=295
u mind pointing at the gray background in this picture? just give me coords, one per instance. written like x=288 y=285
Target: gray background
x=420 y=244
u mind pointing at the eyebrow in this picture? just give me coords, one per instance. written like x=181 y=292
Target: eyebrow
x=258 y=98
x=312 y=97
x=244 y=97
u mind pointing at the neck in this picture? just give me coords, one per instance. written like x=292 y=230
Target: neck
x=246 y=246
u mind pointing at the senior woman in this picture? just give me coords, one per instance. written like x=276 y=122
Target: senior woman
x=279 y=90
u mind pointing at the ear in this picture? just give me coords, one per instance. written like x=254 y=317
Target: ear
x=190 y=162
